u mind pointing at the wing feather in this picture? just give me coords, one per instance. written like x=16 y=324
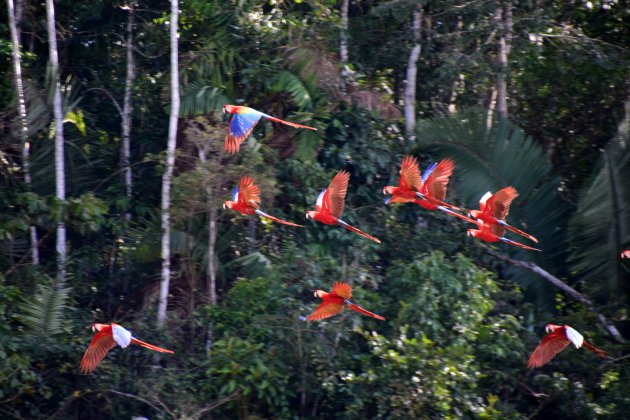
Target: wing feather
x=551 y=345
x=241 y=126
x=336 y=193
x=325 y=310
x=249 y=193
x=410 y=174
x=437 y=183
x=101 y=344
x=343 y=290
x=500 y=202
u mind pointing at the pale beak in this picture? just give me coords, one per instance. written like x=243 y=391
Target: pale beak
x=308 y=216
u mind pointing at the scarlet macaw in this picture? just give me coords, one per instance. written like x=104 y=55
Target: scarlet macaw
x=334 y=302
x=557 y=339
x=493 y=209
x=428 y=190
x=246 y=198
x=106 y=339
x=329 y=205
x=625 y=254
x=494 y=233
x=243 y=121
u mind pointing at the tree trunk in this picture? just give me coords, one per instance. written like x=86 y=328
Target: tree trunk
x=343 y=44
x=168 y=172
x=60 y=180
x=26 y=159
x=412 y=71
x=504 y=25
x=126 y=114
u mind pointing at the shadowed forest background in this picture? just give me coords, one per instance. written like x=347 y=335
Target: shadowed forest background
x=533 y=94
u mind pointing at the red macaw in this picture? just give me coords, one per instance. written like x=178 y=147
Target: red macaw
x=106 y=339
x=625 y=253
x=493 y=209
x=428 y=190
x=557 y=339
x=243 y=121
x=494 y=233
x=334 y=302
x=329 y=205
x=246 y=198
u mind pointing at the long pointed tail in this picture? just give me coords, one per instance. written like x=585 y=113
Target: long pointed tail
x=461 y=216
x=511 y=242
x=292 y=124
x=437 y=202
x=518 y=231
x=362 y=311
x=355 y=230
x=275 y=219
x=600 y=353
x=150 y=346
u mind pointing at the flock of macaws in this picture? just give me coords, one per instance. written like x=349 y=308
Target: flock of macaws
x=428 y=190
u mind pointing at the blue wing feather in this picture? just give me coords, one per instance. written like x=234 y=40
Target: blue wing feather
x=428 y=171
x=242 y=124
x=234 y=194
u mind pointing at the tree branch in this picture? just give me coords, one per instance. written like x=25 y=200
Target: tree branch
x=216 y=404
x=608 y=326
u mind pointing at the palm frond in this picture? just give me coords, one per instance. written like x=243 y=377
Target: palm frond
x=198 y=98
x=43 y=313
x=490 y=158
x=600 y=228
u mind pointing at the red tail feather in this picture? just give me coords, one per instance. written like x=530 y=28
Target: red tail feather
x=360 y=310
x=520 y=232
x=275 y=219
x=150 y=346
x=355 y=230
x=600 y=353
x=461 y=216
x=292 y=124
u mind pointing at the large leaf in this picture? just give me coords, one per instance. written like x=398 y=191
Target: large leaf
x=43 y=312
x=490 y=158
x=600 y=228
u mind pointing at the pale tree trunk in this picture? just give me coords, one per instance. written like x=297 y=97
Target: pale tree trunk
x=211 y=288
x=452 y=103
x=26 y=159
x=343 y=44
x=60 y=179
x=412 y=71
x=168 y=172
x=504 y=26
x=125 y=151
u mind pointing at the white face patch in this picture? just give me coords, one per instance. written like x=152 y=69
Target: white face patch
x=575 y=337
x=121 y=336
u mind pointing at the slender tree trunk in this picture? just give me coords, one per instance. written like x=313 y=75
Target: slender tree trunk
x=412 y=71
x=130 y=76
x=504 y=26
x=168 y=172
x=60 y=180
x=26 y=159
x=343 y=44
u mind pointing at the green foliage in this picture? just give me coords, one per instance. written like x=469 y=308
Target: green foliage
x=43 y=313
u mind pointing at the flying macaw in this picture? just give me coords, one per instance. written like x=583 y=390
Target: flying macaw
x=557 y=339
x=493 y=209
x=243 y=121
x=494 y=233
x=106 y=339
x=329 y=205
x=246 y=198
x=334 y=302
x=428 y=190
x=625 y=253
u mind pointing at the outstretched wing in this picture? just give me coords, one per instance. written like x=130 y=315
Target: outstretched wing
x=248 y=192
x=437 y=182
x=499 y=203
x=551 y=345
x=343 y=290
x=410 y=174
x=121 y=335
x=101 y=344
x=325 y=310
x=335 y=194
x=241 y=125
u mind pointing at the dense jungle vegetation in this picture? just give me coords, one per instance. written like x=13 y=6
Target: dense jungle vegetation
x=529 y=93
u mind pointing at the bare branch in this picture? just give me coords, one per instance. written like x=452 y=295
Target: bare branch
x=110 y=96
x=216 y=404
x=571 y=292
